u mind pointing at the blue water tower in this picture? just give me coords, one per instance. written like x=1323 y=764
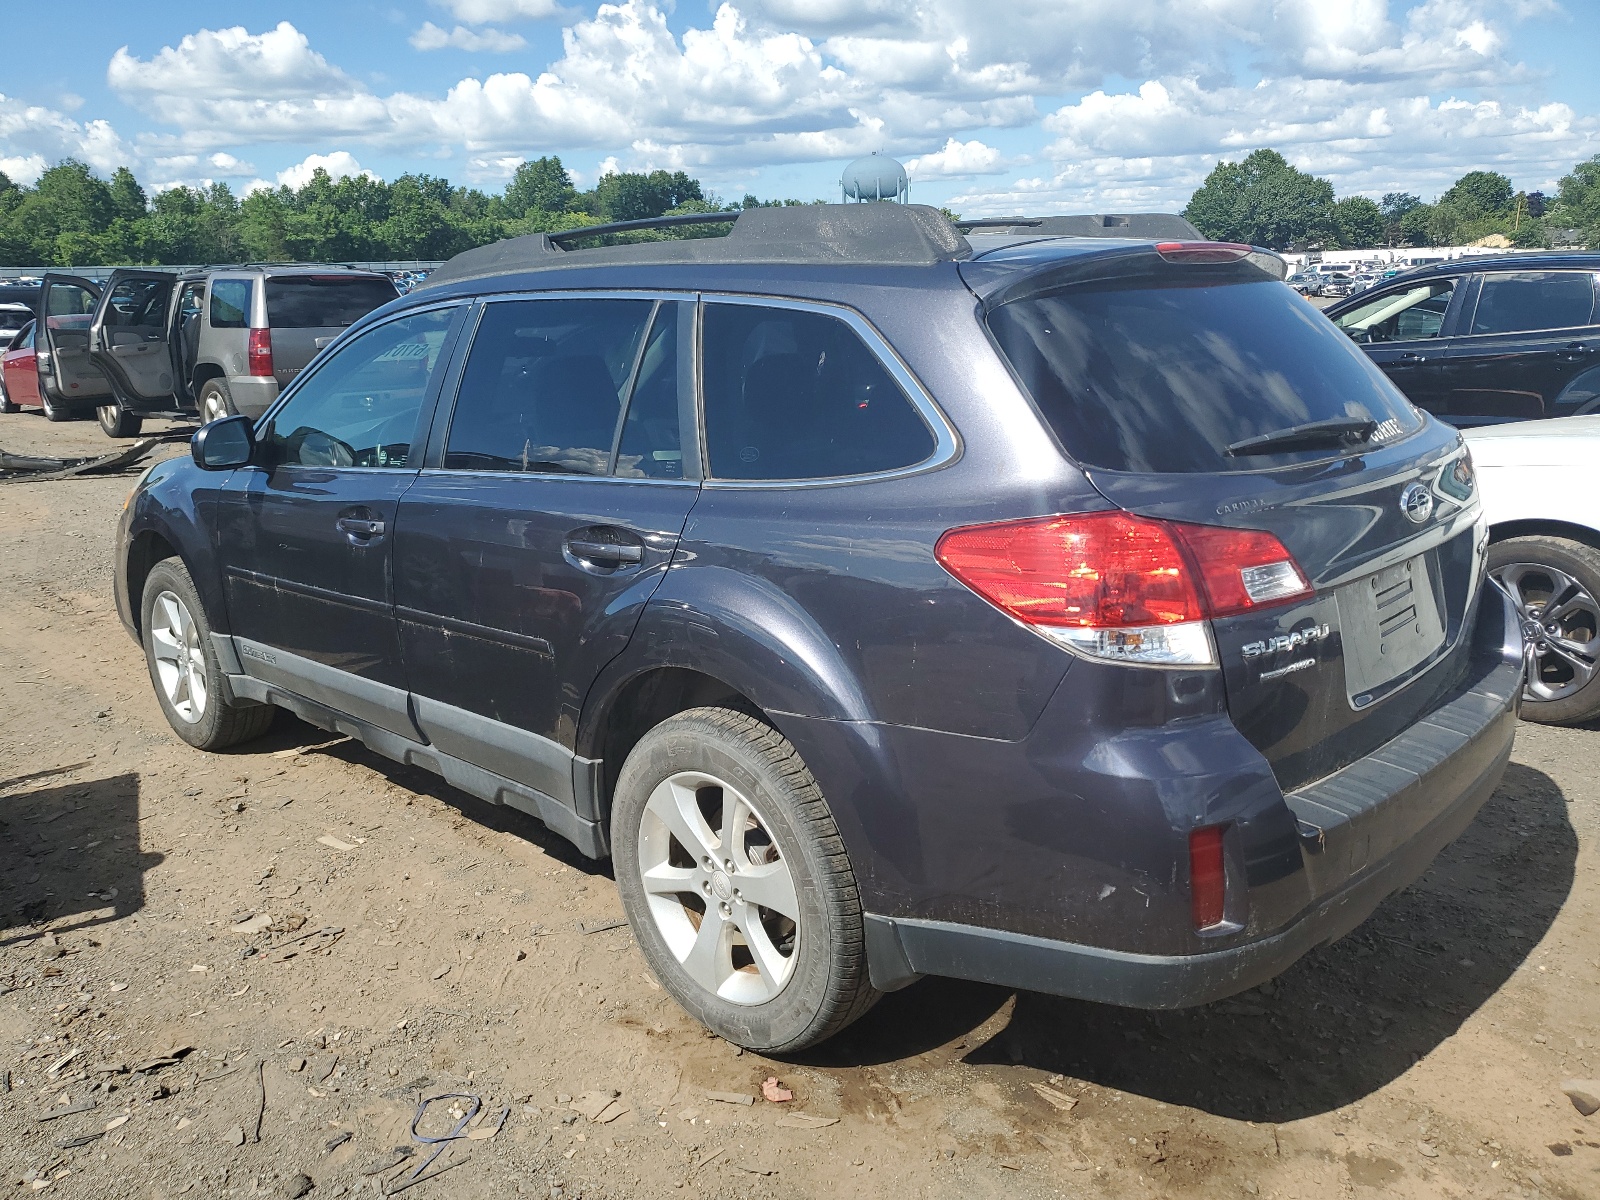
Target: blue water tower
x=875 y=177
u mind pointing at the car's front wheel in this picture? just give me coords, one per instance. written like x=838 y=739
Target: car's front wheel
x=1555 y=584
x=117 y=421
x=6 y=406
x=183 y=665
x=736 y=882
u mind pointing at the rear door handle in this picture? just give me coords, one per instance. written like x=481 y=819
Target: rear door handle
x=1576 y=352
x=605 y=553
x=1410 y=358
x=359 y=530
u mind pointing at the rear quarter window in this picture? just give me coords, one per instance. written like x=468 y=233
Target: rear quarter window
x=324 y=302
x=1163 y=378
x=796 y=394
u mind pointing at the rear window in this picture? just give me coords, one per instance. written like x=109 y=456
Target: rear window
x=14 y=320
x=324 y=302
x=1165 y=378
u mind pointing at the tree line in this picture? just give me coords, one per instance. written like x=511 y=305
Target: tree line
x=1265 y=201
x=72 y=216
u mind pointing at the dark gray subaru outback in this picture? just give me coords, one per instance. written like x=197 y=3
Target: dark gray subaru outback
x=1065 y=604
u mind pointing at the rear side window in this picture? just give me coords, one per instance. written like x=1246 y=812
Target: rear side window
x=323 y=302
x=1530 y=300
x=794 y=394
x=138 y=304
x=230 y=304
x=1165 y=378
x=544 y=384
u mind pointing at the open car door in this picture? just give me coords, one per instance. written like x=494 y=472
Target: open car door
x=66 y=375
x=130 y=336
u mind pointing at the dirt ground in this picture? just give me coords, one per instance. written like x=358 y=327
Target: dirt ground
x=219 y=974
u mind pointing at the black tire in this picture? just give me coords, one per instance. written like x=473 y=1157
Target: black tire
x=219 y=722
x=117 y=421
x=6 y=406
x=215 y=401
x=54 y=411
x=1527 y=567
x=828 y=986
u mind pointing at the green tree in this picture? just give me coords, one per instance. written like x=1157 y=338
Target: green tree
x=1266 y=202
x=542 y=185
x=1394 y=206
x=1478 y=195
x=633 y=197
x=1577 y=203
x=1360 y=223
x=128 y=200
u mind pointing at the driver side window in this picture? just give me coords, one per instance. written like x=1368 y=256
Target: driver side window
x=1401 y=316
x=360 y=408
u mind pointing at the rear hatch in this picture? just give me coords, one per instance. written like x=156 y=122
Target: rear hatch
x=1199 y=389
x=306 y=312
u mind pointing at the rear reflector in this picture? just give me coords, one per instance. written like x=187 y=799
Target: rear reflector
x=260 y=353
x=1121 y=587
x=1208 y=878
x=1203 y=252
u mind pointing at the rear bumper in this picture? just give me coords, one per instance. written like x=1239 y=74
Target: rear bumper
x=252 y=395
x=1416 y=794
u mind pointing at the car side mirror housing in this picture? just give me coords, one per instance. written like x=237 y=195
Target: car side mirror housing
x=222 y=445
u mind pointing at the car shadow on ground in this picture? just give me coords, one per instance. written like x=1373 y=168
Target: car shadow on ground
x=289 y=732
x=1344 y=1021
x=69 y=854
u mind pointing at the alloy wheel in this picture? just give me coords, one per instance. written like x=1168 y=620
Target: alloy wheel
x=719 y=890
x=179 y=658
x=1561 y=621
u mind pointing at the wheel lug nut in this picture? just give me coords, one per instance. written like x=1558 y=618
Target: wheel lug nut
x=727 y=864
x=726 y=910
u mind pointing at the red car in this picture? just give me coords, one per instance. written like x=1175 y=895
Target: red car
x=19 y=371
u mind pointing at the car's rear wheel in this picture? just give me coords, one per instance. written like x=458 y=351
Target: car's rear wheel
x=183 y=665
x=1555 y=584
x=53 y=410
x=118 y=422
x=215 y=403
x=736 y=882
x=6 y=406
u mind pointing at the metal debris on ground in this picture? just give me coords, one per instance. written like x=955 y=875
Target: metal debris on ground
x=474 y=1105
x=731 y=1097
x=603 y=924
x=31 y=467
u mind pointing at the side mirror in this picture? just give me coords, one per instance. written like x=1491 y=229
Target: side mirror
x=224 y=444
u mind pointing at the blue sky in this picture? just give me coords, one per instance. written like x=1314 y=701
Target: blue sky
x=1037 y=105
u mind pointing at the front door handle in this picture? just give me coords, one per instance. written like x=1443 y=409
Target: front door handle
x=360 y=530
x=1576 y=352
x=1410 y=358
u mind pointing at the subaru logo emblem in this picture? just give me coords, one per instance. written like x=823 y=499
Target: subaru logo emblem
x=1417 y=503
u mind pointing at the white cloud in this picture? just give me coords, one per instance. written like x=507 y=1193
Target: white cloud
x=339 y=165
x=957 y=159
x=494 y=41
x=1375 y=93
x=481 y=12
x=33 y=138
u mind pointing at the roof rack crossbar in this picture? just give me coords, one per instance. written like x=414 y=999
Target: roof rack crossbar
x=1003 y=222
x=667 y=222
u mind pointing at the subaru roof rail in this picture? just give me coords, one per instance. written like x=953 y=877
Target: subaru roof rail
x=822 y=234
x=1106 y=225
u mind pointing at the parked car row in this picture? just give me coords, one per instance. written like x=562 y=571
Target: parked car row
x=716 y=556
x=156 y=343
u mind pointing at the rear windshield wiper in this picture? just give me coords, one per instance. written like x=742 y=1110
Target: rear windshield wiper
x=1313 y=435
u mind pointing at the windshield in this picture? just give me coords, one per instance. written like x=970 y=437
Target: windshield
x=1164 y=379
x=324 y=301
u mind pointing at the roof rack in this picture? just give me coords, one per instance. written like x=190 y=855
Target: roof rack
x=1105 y=225
x=667 y=222
x=908 y=235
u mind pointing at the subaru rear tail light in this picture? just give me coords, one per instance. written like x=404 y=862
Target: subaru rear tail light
x=1115 y=586
x=261 y=352
x=1208 y=877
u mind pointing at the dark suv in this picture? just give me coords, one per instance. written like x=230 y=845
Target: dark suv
x=1079 y=613
x=1486 y=340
